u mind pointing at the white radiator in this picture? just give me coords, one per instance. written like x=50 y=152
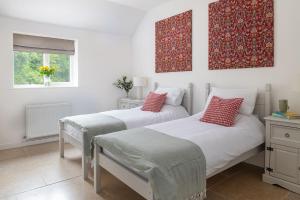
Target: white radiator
x=42 y=119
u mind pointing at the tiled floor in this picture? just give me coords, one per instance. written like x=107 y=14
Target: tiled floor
x=37 y=173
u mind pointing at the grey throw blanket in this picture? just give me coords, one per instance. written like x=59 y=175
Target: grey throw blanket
x=92 y=125
x=176 y=168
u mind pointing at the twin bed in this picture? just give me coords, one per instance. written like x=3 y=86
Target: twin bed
x=169 y=154
x=153 y=172
x=79 y=130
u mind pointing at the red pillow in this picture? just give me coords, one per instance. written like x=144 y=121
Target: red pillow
x=222 y=111
x=154 y=102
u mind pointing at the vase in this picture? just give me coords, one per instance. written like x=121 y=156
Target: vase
x=47 y=80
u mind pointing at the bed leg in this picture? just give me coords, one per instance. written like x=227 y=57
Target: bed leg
x=97 y=168
x=85 y=166
x=61 y=141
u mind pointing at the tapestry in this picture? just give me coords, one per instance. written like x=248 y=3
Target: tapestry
x=241 y=34
x=173 y=43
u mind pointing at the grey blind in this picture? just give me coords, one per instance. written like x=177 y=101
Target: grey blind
x=43 y=44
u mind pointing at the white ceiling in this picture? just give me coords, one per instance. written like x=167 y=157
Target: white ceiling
x=112 y=16
x=140 y=4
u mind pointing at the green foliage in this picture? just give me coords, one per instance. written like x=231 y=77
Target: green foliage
x=124 y=84
x=62 y=64
x=26 y=67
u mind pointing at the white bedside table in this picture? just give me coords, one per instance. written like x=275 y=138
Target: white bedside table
x=126 y=103
x=282 y=158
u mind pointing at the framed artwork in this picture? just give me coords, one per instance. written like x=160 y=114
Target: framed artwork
x=241 y=34
x=173 y=43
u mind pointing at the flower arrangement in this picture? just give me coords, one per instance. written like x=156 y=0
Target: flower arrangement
x=47 y=71
x=123 y=84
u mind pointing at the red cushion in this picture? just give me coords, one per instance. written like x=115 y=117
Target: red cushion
x=222 y=111
x=154 y=102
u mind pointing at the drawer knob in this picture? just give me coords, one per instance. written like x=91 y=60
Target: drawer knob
x=287 y=135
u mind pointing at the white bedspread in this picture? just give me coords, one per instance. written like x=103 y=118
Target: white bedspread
x=135 y=117
x=219 y=144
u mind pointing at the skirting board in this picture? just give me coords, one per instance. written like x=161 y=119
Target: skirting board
x=28 y=143
x=258 y=160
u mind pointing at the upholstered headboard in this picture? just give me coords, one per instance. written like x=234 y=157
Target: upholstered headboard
x=187 y=101
x=263 y=107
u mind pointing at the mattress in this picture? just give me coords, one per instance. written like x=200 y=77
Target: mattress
x=135 y=117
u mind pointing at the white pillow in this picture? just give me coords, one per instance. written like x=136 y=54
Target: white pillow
x=174 y=96
x=249 y=96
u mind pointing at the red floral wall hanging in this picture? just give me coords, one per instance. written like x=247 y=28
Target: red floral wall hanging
x=241 y=34
x=173 y=44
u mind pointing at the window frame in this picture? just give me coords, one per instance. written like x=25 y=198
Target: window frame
x=46 y=62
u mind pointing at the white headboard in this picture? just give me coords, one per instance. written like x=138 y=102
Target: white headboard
x=263 y=107
x=187 y=101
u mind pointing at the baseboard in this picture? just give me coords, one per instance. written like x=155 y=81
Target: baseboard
x=29 y=143
x=258 y=160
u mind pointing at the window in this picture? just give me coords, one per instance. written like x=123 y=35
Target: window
x=31 y=52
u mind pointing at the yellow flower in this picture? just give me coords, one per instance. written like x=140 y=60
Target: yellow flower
x=47 y=70
x=44 y=68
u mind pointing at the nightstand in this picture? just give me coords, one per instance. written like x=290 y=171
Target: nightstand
x=282 y=155
x=126 y=103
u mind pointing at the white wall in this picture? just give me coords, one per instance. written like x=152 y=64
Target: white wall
x=101 y=60
x=282 y=76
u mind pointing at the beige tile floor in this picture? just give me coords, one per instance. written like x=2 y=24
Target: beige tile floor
x=37 y=173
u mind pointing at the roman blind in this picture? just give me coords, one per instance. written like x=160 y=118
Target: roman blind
x=43 y=44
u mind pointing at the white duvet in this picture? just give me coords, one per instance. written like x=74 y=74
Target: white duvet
x=135 y=117
x=219 y=144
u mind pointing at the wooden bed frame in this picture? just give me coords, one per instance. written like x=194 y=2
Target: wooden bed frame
x=65 y=136
x=140 y=184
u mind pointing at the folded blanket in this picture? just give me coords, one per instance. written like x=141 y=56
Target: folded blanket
x=92 y=125
x=175 y=168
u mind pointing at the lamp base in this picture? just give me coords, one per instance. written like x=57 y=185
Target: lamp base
x=139 y=92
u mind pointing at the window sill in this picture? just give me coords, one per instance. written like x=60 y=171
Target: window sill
x=44 y=87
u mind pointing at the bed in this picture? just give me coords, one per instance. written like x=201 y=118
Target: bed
x=130 y=118
x=220 y=152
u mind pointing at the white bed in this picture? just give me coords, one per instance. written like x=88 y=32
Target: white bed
x=223 y=147
x=219 y=144
x=133 y=118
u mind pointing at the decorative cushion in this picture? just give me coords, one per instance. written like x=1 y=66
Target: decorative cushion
x=174 y=95
x=249 y=96
x=154 y=102
x=222 y=111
